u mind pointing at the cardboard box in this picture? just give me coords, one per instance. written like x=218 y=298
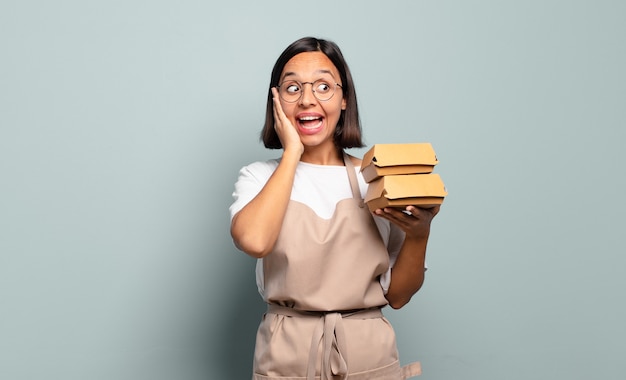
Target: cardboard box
x=425 y=190
x=394 y=159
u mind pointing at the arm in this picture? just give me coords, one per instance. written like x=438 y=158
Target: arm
x=407 y=274
x=256 y=226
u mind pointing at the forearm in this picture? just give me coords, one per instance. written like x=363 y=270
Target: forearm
x=256 y=226
x=407 y=274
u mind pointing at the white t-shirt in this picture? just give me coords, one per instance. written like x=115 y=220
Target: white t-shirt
x=320 y=187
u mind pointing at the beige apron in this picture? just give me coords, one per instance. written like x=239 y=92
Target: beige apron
x=322 y=284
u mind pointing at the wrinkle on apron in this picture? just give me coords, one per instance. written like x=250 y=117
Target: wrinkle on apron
x=329 y=332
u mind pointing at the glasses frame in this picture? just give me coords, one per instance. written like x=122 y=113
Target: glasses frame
x=301 y=85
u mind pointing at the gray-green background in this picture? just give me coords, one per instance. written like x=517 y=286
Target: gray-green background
x=124 y=124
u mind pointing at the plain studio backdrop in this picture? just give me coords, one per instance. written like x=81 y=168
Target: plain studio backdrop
x=123 y=125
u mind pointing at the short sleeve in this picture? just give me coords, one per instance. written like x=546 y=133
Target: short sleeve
x=251 y=180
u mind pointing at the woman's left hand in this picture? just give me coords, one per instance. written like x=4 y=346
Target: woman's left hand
x=414 y=221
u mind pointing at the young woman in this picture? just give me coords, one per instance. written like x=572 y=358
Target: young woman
x=326 y=265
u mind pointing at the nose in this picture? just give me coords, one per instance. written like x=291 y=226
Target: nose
x=308 y=97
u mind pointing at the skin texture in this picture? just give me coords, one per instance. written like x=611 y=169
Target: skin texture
x=256 y=227
x=407 y=274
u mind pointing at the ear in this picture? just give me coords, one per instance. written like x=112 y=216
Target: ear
x=343 y=104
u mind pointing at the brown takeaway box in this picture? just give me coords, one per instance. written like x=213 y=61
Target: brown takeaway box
x=425 y=190
x=394 y=159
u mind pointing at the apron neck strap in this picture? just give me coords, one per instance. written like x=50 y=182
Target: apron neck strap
x=354 y=183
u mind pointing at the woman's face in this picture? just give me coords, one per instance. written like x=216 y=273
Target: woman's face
x=314 y=119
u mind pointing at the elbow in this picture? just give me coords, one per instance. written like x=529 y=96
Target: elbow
x=398 y=303
x=256 y=251
x=397 y=298
x=251 y=245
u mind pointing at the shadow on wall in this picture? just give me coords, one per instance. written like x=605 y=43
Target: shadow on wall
x=239 y=317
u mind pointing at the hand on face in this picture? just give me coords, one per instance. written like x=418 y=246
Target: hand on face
x=314 y=120
x=287 y=133
x=414 y=221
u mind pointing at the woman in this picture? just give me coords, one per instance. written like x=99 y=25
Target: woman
x=326 y=265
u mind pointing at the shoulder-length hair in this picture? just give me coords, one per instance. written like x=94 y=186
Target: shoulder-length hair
x=348 y=130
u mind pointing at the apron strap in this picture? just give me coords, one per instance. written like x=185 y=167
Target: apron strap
x=411 y=370
x=354 y=183
x=330 y=334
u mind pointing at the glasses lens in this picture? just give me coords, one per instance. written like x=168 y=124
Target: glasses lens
x=291 y=91
x=323 y=90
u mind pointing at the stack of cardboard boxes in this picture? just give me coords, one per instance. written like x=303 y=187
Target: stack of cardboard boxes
x=400 y=175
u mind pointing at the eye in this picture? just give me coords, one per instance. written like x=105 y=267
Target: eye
x=322 y=87
x=292 y=88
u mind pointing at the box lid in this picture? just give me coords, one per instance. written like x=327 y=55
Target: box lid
x=382 y=155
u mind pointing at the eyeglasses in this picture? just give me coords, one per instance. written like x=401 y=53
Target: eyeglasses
x=291 y=91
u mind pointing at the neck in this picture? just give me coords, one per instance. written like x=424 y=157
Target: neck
x=331 y=156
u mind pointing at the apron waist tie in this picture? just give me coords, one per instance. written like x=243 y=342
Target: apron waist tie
x=328 y=332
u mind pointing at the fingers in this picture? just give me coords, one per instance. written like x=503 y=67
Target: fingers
x=287 y=133
x=412 y=220
x=396 y=216
x=280 y=119
x=430 y=211
x=278 y=110
x=410 y=211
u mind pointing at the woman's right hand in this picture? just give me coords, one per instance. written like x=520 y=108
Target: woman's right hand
x=286 y=131
x=255 y=228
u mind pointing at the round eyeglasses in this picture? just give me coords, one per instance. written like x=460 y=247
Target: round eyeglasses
x=291 y=91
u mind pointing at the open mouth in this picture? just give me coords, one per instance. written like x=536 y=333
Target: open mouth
x=310 y=122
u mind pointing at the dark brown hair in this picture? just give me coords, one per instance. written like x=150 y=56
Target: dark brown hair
x=348 y=130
